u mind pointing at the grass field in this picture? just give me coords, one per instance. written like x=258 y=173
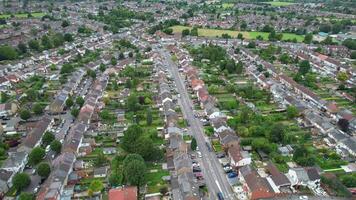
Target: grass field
x=23 y=15
x=227 y=5
x=279 y=3
x=205 y=32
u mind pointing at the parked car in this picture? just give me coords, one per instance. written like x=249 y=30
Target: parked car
x=231 y=175
x=220 y=196
x=220 y=155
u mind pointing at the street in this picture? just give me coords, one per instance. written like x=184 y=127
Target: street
x=214 y=175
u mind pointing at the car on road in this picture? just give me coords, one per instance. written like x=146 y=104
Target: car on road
x=220 y=196
x=220 y=155
x=231 y=175
x=199 y=154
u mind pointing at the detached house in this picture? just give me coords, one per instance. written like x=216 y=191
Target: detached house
x=238 y=158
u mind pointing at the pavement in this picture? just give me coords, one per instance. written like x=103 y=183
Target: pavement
x=213 y=173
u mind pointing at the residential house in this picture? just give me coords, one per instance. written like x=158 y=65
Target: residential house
x=304 y=176
x=109 y=150
x=238 y=158
x=256 y=186
x=123 y=193
x=8 y=109
x=100 y=172
x=279 y=179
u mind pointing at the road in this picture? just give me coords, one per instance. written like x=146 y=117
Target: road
x=214 y=175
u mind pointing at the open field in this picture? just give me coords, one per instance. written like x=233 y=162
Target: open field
x=205 y=32
x=279 y=3
x=23 y=15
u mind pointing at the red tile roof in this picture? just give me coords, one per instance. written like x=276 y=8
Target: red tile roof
x=126 y=193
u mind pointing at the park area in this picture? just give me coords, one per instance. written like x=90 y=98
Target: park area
x=206 y=32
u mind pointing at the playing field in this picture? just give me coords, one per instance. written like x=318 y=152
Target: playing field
x=205 y=32
x=279 y=3
x=23 y=15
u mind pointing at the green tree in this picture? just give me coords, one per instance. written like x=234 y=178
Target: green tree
x=74 y=112
x=102 y=67
x=47 y=138
x=132 y=103
x=113 y=61
x=46 y=42
x=193 y=144
x=131 y=135
x=100 y=160
x=65 y=23
x=21 y=181
x=25 y=114
x=91 y=73
x=168 y=31
x=34 y=45
x=135 y=172
x=22 y=48
x=7 y=53
x=148 y=150
x=342 y=76
x=353 y=55
x=194 y=31
x=37 y=154
x=79 y=101
x=37 y=109
x=304 y=67
x=185 y=32
x=308 y=38
x=26 y=196
x=149 y=117
x=68 y=37
x=95 y=186
x=328 y=40
x=285 y=59
x=277 y=133
x=43 y=170
x=292 y=112
x=69 y=102
x=56 y=146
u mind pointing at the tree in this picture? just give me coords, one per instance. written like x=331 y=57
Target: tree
x=135 y=171
x=22 y=48
x=343 y=124
x=26 y=196
x=46 y=42
x=69 y=102
x=47 y=138
x=251 y=45
x=185 y=32
x=301 y=156
x=132 y=103
x=304 y=67
x=353 y=55
x=308 y=38
x=131 y=135
x=79 y=101
x=65 y=23
x=56 y=146
x=342 y=76
x=68 y=37
x=147 y=149
x=102 y=67
x=37 y=154
x=350 y=43
x=21 y=181
x=149 y=117
x=43 y=170
x=25 y=114
x=277 y=133
x=100 y=160
x=74 y=112
x=193 y=144
x=91 y=73
x=168 y=31
x=194 y=31
x=113 y=61
x=328 y=40
x=243 y=26
x=240 y=36
x=34 y=45
x=292 y=112
x=95 y=186
x=7 y=53
x=37 y=109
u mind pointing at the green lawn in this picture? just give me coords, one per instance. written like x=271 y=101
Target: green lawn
x=23 y=15
x=206 y=32
x=227 y=5
x=279 y=3
x=155 y=181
